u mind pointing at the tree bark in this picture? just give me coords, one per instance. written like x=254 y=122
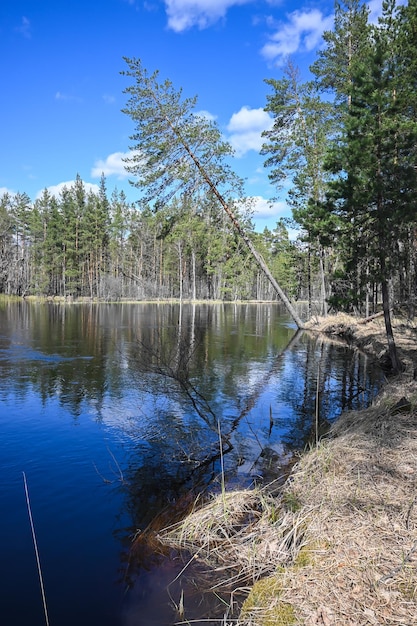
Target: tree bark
x=396 y=364
x=256 y=255
x=213 y=188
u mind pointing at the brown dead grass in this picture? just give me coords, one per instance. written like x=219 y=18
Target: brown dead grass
x=340 y=542
x=363 y=481
x=364 y=487
x=241 y=535
x=370 y=336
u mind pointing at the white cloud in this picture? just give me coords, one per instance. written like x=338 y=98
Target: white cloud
x=302 y=32
x=25 y=28
x=66 y=97
x=4 y=190
x=246 y=127
x=206 y=115
x=265 y=209
x=113 y=165
x=184 y=14
x=109 y=99
x=55 y=190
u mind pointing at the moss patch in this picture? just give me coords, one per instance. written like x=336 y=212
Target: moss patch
x=263 y=605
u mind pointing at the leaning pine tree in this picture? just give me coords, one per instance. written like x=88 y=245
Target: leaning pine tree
x=176 y=151
x=374 y=162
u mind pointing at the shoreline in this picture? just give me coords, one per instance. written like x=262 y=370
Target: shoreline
x=340 y=537
x=359 y=487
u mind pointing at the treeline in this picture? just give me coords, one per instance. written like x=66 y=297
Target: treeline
x=347 y=142
x=84 y=244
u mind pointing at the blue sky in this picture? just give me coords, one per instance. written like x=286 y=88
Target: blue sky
x=60 y=113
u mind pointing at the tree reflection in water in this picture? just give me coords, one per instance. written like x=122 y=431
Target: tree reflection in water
x=150 y=384
x=273 y=415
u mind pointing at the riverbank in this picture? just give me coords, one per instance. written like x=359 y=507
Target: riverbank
x=338 y=545
x=359 y=488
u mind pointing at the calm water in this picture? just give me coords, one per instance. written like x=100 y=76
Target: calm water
x=112 y=413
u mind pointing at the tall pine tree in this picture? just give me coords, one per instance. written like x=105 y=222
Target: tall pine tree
x=374 y=193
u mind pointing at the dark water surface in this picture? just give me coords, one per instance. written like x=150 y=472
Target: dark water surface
x=112 y=413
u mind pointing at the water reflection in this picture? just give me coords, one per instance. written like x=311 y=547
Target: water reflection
x=120 y=410
x=168 y=376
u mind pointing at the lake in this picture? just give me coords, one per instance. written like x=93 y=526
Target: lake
x=113 y=413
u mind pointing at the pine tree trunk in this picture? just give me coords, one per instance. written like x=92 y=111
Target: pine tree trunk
x=194 y=279
x=309 y=297
x=257 y=256
x=323 y=284
x=392 y=348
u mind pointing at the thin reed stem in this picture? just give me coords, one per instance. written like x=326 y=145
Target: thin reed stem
x=317 y=405
x=36 y=551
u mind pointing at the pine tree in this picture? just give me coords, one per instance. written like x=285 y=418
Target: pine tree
x=118 y=234
x=94 y=238
x=177 y=151
x=374 y=194
x=19 y=272
x=297 y=147
x=6 y=241
x=54 y=249
x=344 y=44
x=72 y=205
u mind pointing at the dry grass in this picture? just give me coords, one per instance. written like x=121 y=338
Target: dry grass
x=242 y=535
x=338 y=547
x=366 y=518
x=370 y=336
x=364 y=482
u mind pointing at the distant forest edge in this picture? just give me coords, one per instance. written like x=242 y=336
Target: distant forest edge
x=345 y=143
x=87 y=245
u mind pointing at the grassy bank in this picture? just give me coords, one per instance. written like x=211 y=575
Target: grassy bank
x=338 y=545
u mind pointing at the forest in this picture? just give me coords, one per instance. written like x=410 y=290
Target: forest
x=86 y=245
x=344 y=143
